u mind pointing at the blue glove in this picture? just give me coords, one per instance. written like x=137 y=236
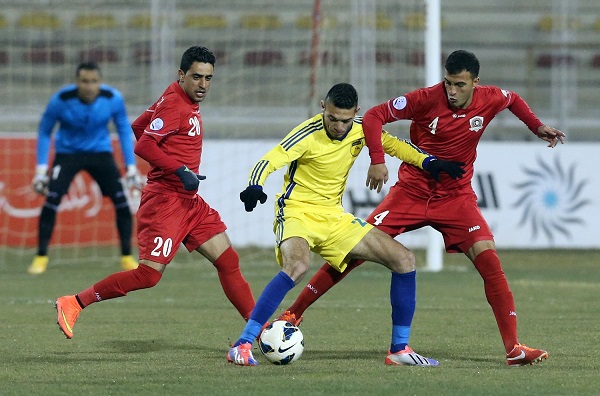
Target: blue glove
x=435 y=165
x=189 y=179
x=251 y=195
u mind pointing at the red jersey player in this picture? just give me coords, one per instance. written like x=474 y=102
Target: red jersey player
x=171 y=212
x=448 y=120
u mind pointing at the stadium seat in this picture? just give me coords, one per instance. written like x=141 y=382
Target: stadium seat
x=203 y=21
x=551 y=60
x=417 y=58
x=39 y=20
x=384 y=58
x=142 y=54
x=263 y=58
x=416 y=21
x=140 y=21
x=326 y=58
x=95 y=21
x=3 y=22
x=4 y=57
x=99 y=55
x=44 y=54
x=383 y=22
x=548 y=23
x=257 y=21
x=595 y=63
x=306 y=22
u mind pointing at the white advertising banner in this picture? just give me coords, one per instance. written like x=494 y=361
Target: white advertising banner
x=532 y=196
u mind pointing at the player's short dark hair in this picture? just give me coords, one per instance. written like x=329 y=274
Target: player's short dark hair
x=342 y=96
x=196 y=53
x=462 y=60
x=87 y=65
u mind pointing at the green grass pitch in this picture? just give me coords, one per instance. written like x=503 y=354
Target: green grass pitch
x=172 y=339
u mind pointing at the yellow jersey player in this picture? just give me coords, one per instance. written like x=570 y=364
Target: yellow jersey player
x=309 y=214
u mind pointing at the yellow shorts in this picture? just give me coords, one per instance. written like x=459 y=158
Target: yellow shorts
x=332 y=236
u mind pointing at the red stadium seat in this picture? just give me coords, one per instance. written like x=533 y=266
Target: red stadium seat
x=109 y=55
x=263 y=58
x=417 y=58
x=142 y=54
x=551 y=60
x=384 y=58
x=326 y=58
x=4 y=57
x=39 y=54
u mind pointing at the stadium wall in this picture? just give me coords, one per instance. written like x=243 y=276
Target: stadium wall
x=532 y=196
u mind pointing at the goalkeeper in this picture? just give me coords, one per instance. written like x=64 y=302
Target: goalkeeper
x=309 y=215
x=83 y=112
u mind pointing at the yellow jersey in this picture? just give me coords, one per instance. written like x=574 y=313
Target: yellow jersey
x=318 y=166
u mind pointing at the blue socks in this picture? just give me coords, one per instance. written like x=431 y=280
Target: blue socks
x=403 y=297
x=267 y=304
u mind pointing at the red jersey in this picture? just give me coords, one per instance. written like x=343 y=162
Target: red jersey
x=169 y=136
x=446 y=132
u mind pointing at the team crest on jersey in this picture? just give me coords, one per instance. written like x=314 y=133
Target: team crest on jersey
x=157 y=124
x=476 y=123
x=356 y=147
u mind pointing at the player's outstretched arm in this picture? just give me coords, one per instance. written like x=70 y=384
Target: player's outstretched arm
x=551 y=135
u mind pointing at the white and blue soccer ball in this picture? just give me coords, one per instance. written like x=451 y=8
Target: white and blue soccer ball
x=281 y=342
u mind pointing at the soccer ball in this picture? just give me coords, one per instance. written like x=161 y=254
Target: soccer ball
x=281 y=342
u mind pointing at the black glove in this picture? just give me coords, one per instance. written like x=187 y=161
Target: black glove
x=251 y=195
x=452 y=168
x=189 y=179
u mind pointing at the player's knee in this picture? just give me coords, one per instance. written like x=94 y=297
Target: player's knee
x=119 y=200
x=147 y=276
x=228 y=261
x=296 y=269
x=53 y=200
x=404 y=262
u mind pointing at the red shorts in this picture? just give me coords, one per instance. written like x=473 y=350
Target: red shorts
x=456 y=216
x=164 y=221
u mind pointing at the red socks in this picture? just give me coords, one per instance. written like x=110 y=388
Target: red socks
x=234 y=284
x=119 y=284
x=324 y=279
x=499 y=296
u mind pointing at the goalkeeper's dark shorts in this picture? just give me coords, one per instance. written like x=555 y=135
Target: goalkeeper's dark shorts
x=100 y=166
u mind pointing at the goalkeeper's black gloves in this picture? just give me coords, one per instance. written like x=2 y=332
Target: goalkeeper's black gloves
x=189 y=179
x=435 y=165
x=251 y=195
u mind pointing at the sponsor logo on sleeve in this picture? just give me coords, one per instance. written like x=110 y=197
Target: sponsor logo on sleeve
x=157 y=124
x=399 y=103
